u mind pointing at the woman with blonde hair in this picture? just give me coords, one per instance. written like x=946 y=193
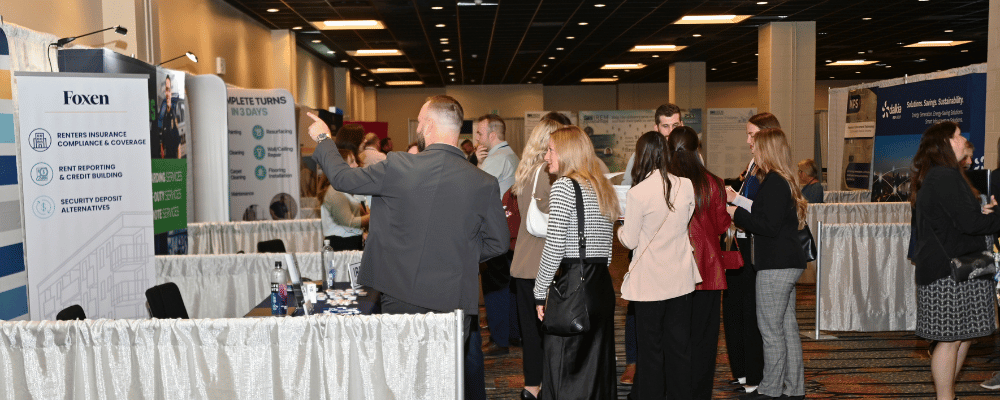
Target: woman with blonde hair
x=581 y=365
x=775 y=218
x=531 y=180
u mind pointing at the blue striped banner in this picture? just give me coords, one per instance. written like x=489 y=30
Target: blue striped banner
x=8 y=170
x=11 y=259
x=15 y=302
x=6 y=128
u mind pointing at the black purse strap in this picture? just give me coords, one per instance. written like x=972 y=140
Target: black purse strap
x=579 y=219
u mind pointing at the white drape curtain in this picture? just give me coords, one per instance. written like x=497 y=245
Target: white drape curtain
x=299 y=235
x=841 y=213
x=29 y=50
x=866 y=281
x=847 y=196
x=318 y=357
x=229 y=285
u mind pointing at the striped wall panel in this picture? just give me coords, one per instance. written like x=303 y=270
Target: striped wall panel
x=13 y=279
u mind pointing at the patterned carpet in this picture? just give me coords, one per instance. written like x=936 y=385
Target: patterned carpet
x=855 y=365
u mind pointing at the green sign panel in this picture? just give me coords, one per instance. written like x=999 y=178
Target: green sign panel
x=169 y=195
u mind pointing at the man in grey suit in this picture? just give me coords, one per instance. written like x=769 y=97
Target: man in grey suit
x=434 y=218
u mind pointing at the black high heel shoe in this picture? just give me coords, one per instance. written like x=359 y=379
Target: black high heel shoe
x=526 y=395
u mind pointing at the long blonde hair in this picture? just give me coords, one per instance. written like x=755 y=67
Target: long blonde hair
x=533 y=154
x=774 y=155
x=578 y=161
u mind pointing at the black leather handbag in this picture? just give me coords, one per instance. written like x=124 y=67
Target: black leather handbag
x=566 y=307
x=808 y=243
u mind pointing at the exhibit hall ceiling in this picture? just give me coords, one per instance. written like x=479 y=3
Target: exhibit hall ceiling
x=562 y=42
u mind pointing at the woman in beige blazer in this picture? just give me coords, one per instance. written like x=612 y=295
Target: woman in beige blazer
x=663 y=272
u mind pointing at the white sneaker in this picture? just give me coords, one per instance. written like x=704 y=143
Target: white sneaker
x=992 y=383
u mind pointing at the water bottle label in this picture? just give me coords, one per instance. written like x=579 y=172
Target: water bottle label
x=275 y=300
x=283 y=293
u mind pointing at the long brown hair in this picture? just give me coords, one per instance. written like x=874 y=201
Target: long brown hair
x=578 y=161
x=323 y=184
x=682 y=147
x=935 y=150
x=651 y=155
x=765 y=120
x=774 y=155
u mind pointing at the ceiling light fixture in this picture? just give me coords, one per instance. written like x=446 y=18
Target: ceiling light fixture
x=658 y=47
x=343 y=61
x=545 y=65
x=711 y=19
x=582 y=23
x=623 y=66
x=948 y=31
x=403 y=83
x=375 y=52
x=939 y=43
x=714 y=69
x=329 y=52
x=598 y=5
x=447 y=60
x=273 y=10
x=446 y=50
x=697 y=35
x=552 y=58
x=475 y=3
x=451 y=73
x=393 y=70
x=357 y=68
x=317 y=41
x=450 y=66
x=538 y=72
x=349 y=24
x=296 y=28
x=570 y=37
x=439 y=25
x=656 y=56
x=597 y=80
x=760 y=3
x=866 y=18
x=437 y=8
x=850 y=62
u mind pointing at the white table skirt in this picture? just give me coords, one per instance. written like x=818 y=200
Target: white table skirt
x=867 y=283
x=847 y=196
x=228 y=286
x=858 y=213
x=299 y=235
x=318 y=357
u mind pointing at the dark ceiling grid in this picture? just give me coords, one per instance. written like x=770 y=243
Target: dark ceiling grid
x=563 y=26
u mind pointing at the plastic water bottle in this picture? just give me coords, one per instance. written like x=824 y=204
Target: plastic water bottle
x=279 y=290
x=329 y=272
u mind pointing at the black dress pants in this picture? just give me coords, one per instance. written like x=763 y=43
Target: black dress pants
x=704 y=341
x=531 y=331
x=739 y=316
x=663 y=330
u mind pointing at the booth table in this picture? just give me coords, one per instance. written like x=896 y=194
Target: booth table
x=367 y=304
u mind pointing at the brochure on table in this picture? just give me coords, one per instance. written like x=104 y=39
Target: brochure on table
x=87 y=192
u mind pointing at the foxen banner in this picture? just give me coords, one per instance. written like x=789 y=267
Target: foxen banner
x=87 y=194
x=263 y=155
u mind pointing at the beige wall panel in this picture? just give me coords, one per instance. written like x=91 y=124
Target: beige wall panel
x=509 y=100
x=580 y=98
x=58 y=17
x=397 y=106
x=315 y=80
x=642 y=96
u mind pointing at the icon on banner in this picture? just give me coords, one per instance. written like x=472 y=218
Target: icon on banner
x=258 y=132
x=41 y=174
x=43 y=207
x=258 y=152
x=39 y=140
x=260 y=172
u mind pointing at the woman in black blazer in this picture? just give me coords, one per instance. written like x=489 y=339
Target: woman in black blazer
x=948 y=222
x=774 y=218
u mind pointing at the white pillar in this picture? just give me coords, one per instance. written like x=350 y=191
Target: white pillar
x=993 y=87
x=786 y=83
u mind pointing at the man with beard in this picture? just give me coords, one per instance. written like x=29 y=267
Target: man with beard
x=435 y=217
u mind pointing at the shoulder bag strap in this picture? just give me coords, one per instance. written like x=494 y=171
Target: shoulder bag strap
x=579 y=219
x=535 y=185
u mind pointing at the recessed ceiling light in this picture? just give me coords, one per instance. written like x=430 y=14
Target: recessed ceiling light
x=450 y=66
x=658 y=47
x=756 y=54
x=570 y=37
x=866 y=18
x=760 y=3
x=375 y=52
x=272 y=10
x=296 y=28
x=393 y=70
x=582 y=23
x=861 y=52
x=734 y=62
x=888 y=66
x=552 y=58
x=851 y=62
x=656 y=56
x=545 y=65
x=446 y=50
x=402 y=83
x=538 y=72
x=452 y=79
x=451 y=73
x=598 y=5
x=948 y=31
x=357 y=68
x=317 y=41
x=829 y=61
x=711 y=19
x=447 y=60
x=437 y=8
x=922 y=59
x=714 y=69
x=343 y=61
x=623 y=66
x=560 y=49
x=821 y=33
x=597 y=80
x=938 y=43
x=965 y=51
x=329 y=52
x=371 y=80
x=364 y=74
x=614 y=76
x=376 y=84
x=349 y=24
x=697 y=35
x=439 y=25
x=444 y=39
x=832 y=77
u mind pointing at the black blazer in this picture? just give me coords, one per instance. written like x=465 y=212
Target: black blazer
x=947 y=210
x=774 y=225
x=434 y=218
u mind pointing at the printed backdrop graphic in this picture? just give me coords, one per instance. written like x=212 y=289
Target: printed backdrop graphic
x=906 y=111
x=263 y=155
x=13 y=280
x=87 y=193
x=531 y=119
x=170 y=164
x=727 y=148
x=614 y=133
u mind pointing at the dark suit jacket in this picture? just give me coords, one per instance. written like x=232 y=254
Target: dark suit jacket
x=434 y=218
x=774 y=226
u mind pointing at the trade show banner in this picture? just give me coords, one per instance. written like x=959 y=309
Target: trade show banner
x=87 y=192
x=170 y=164
x=906 y=111
x=725 y=143
x=614 y=133
x=531 y=119
x=13 y=281
x=263 y=155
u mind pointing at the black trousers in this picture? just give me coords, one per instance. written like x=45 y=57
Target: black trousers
x=739 y=315
x=340 y=243
x=531 y=331
x=704 y=340
x=663 y=330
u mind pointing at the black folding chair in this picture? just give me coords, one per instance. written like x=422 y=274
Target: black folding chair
x=271 y=246
x=71 y=313
x=165 y=302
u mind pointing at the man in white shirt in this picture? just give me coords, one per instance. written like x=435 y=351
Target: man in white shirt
x=496 y=158
x=371 y=155
x=667 y=117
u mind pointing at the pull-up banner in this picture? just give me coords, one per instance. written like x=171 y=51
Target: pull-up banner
x=263 y=155
x=87 y=192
